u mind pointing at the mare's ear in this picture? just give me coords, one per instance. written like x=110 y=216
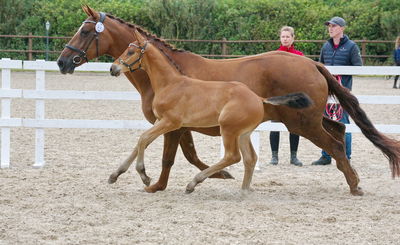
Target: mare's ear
x=141 y=40
x=90 y=12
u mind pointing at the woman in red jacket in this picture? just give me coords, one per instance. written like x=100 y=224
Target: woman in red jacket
x=287 y=40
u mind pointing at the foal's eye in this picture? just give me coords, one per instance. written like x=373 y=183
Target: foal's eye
x=131 y=51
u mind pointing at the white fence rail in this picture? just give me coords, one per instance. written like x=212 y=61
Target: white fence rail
x=40 y=95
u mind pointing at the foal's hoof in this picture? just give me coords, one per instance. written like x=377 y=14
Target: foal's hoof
x=188 y=191
x=190 y=187
x=113 y=178
x=222 y=175
x=146 y=181
x=357 y=192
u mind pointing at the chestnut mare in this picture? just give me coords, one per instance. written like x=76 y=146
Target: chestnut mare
x=268 y=74
x=180 y=101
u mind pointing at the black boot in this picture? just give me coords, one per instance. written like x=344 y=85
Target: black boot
x=322 y=161
x=274 y=159
x=294 y=160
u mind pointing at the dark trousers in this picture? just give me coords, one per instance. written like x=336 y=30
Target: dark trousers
x=346 y=120
x=396 y=77
x=274 y=141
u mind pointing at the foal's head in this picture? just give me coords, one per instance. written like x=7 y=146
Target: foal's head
x=131 y=58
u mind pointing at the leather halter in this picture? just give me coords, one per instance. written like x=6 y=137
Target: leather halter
x=82 y=53
x=138 y=60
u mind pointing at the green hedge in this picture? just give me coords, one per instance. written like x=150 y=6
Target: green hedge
x=206 y=19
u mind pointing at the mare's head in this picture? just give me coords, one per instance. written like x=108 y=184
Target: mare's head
x=91 y=40
x=131 y=58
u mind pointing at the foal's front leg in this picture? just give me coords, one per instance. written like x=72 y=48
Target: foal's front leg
x=123 y=167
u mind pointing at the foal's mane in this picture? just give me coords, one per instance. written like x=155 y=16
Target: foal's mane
x=158 y=42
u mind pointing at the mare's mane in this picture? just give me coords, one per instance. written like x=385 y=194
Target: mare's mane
x=158 y=42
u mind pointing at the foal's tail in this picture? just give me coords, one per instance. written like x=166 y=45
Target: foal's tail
x=389 y=147
x=293 y=100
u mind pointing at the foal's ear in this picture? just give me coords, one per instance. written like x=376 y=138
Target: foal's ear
x=139 y=37
x=90 y=12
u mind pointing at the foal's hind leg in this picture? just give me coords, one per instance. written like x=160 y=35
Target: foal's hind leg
x=336 y=149
x=190 y=154
x=249 y=159
x=232 y=155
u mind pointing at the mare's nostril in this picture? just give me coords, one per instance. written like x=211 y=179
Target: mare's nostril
x=60 y=64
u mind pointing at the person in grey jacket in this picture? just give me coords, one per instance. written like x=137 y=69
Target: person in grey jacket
x=339 y=50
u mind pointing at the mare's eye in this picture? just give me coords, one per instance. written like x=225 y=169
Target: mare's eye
x=84 y=33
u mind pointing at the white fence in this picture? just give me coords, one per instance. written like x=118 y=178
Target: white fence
x=40 y=94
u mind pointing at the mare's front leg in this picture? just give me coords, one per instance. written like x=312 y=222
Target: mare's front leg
x=171 y=142
x=160 y=127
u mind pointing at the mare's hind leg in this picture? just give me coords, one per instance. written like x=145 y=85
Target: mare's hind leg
x=336 y=148
x=232 y=155
x=334 y=128
x=190 y=154
x=249 y=159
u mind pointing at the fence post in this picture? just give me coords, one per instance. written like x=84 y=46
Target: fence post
x=363 y=50
x=30 y=46
x=5 y=114
x=40 y=115
x=223 y=46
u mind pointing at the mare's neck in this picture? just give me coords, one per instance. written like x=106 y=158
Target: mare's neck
x=121 y=36
x=188 y=62
x=161 y=72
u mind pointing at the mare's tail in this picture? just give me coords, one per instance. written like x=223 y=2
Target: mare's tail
x=293 y=100
x=389 y=147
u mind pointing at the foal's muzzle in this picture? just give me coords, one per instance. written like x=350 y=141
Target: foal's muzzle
x=115 y=70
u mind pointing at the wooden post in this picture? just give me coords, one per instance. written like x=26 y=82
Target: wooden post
x=30 y=46
x=363 y=51
x=224 y=47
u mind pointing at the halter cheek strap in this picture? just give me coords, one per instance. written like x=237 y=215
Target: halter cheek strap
x=138 y=60
x=77 y=59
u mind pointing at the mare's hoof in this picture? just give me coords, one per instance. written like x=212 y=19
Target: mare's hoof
x=112 y=179
x=153 y=188
x=222 y=175
x=357 y=192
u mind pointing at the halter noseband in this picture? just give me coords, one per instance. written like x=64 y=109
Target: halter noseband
x=138 y=60
x=82 y=53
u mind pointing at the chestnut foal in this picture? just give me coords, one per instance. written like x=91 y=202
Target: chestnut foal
x=181 y=101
